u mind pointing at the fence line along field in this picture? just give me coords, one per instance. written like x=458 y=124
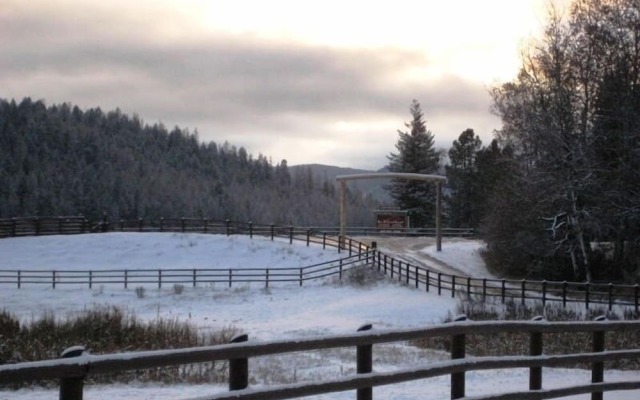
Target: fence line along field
x=322 y=307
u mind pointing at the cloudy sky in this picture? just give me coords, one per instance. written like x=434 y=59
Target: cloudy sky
x=307 y=81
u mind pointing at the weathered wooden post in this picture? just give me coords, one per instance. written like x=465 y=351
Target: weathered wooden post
x=72 y=388
x=239 y=367
x=597 y=368
x=364 y=356
x=535 y=349
x=458 y=344
x=439 y=216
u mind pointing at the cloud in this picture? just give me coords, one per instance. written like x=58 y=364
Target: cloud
x=264 y=94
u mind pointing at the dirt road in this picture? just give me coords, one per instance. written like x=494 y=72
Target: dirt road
x=408 y=249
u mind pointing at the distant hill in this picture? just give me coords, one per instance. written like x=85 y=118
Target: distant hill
x=373 y=187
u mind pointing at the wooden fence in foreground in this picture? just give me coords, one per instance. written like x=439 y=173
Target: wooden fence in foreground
x=75 y=367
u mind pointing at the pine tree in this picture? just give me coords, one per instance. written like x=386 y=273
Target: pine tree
x=416 y=154
x=462 y=176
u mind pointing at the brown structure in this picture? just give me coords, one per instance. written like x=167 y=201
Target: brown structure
x=391 y=218
x=437 y=179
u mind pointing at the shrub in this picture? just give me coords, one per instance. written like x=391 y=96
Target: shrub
x=140 y=292
x=178 y=288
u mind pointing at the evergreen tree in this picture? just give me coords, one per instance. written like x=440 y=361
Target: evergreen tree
x=463 y=200
x=416 y=154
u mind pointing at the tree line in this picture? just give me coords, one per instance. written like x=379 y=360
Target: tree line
x=557 y=193
x=61 y=160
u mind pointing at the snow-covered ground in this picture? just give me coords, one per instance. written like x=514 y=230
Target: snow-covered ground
x=279 y=312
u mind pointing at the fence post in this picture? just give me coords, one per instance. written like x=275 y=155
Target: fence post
x=266 y=281
x=637 y=292
x=13 y=227
x=417 y=277
x=469 y=286
x=90 y=279
x=301 y=275
x=227 y=224
x=610 y=296
x=204 y=225
x=159 y=279
x=195 y=279
x=230 y=277
x=544 y=293
x=364 y=356
x=408 y=273
x=484 y=289
x=587 y=289
x=324 y=240
x=524 y=290
x=291 y=235
x=72 y=388
x=308 y=236
x=161 y=224
x=20 y=279
x=182 y=224
x=250 y=230
x=427 y=279
x=53 y=279
x=126 y=278
x=272 y=231
x=453 y=286
x=597 y=368
x=535 y=349
x=140 y=224
x=458 y=344
x=503 y=291
x=439 y=283
x=36 y=221
x=340 y=270
x=564 y=294
x=239 y=367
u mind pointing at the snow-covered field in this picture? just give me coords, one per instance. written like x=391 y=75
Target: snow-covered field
x=280 y=312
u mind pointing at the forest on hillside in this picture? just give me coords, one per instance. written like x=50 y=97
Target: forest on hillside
x=61 y=160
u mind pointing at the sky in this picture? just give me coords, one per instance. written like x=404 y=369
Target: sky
x=326 y=82
x=284 y=311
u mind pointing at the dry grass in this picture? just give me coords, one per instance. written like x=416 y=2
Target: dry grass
x=105 y=330
x=511 y=343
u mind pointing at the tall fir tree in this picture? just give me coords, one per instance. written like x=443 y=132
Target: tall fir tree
x=416 y=154
x=462 y=175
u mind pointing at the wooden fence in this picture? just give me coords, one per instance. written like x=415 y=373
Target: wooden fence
x=75 y=367
x=128 y=278
x=587 y=293
x=36 y=226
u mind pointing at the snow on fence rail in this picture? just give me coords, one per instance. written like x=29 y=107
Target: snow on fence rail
x=76 y=366
x=128 y=278
x=564 y=292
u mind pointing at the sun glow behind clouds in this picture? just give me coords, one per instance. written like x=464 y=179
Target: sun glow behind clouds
x=475 y=40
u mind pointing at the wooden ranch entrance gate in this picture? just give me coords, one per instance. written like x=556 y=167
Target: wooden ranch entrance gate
x=437 y=179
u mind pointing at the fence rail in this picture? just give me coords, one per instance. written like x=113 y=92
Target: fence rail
x=36 y=226
x=128 y=278
x=587 y=293
x=76 y=367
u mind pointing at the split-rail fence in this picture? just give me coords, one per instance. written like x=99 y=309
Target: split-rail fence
x=75 y=366
x=352 y=252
